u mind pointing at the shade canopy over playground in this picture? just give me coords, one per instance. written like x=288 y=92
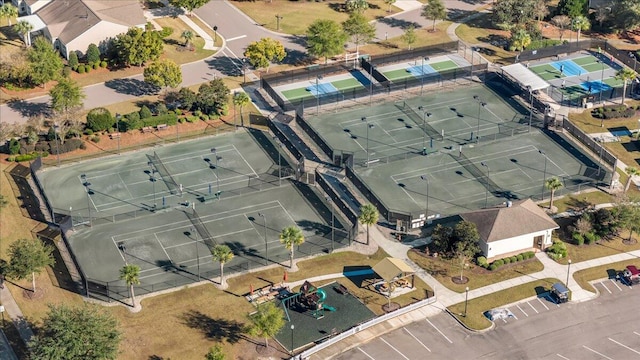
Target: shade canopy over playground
x=525 y=77
x=391 y=269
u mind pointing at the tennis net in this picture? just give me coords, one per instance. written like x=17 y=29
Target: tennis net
x=419 y=120
x=478 y=174
x=164 y=173
x=201 y=229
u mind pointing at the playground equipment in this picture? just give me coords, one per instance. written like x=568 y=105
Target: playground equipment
x=310 y=299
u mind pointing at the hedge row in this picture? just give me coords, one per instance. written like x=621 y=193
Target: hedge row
x=614 y=111
x=590 y=238
x=27 y=157
x=482 y=261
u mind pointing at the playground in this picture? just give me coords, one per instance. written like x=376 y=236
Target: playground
x=123 y=211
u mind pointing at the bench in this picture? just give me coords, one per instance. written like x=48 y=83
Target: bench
x=114 y=136
x=147 y=129
x=162 y=127
x=341 y=289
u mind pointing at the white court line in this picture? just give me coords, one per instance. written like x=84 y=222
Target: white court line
x=438 y=330
x=393 y=347
x=125 y=187
x=416 y=339
x=286 y=212
x=543 y=304
x=217 y=236
x=534 y=309
x=237 y=37
x=246 y=162
x=562 y=357
x=369 y=356
x=525 y=314
x=590 y=349
x=163 y=248
x=115 y=243
x=624 y=346
x=605 y=286
x=614 y=283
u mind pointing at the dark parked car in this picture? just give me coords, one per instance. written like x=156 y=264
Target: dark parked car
x=560 y=292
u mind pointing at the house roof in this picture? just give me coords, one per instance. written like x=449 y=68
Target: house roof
x=68 y=19
x=391 y=268
x=522 y=217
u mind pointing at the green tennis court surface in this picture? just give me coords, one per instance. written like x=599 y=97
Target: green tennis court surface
x=346 y=84
x=591 y=67
x=303 y=93
x=546 y=72
x=296 y=94
x=585 y=60
x=400 y=74
x=444 y=65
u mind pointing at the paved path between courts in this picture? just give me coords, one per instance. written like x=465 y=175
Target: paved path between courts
x=15 y=314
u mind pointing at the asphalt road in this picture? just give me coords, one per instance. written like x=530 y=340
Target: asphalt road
x=605 y=328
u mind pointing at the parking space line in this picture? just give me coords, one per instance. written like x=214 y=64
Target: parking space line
x=525 y=314
x=393 y=347
x=624 y=346
x=543 y=304
x=636 y=333
x=614 y=283
x=534 y=309
x=605 y=287
x=438 y=330
x=562 y=357
x=593 y=351
x=369 y=356
x=416 y=339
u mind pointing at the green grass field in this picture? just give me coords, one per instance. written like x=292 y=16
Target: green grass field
x=546 y=72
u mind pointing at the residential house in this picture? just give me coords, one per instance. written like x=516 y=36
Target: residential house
x=514 y=228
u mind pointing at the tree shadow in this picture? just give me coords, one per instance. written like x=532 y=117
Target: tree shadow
x=456 y=14
x=131 y=86
x=400 y=23
x=215 y=329
x=28 y=109
x=225 y=65
x=30 y=202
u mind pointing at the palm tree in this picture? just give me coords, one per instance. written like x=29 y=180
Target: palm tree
x=187 y=35
x=626 y=75
x=552 y=185
x=131 y=275
x=24 y=28
x=631 y=171
x=241 y=99
x=8 y=11
x=520 y=39
x=222 y=254
x=561 y=21
x=291 y=236
x=580 y=23
x=368 y=216
x=356 y=5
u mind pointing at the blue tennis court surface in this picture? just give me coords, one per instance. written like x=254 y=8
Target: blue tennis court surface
x=421 y=70
x=322 y=89
x=595 y=86
x=360 y=77
x=568 y=68
x=358 y=272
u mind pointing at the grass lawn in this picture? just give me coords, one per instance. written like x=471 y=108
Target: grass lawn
x=583 y=277
x=173 y=48
x=480 y=31
x=444 y=270
x=424 y=36
x=296 y=16
x=579 y=201
x=476 y=307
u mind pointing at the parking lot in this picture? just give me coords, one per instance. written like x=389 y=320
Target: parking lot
x=604 y=328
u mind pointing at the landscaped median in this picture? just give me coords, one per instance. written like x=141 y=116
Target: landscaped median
x=583 y=277
x=475 y=318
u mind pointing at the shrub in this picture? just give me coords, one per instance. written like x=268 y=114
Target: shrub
x=66 y=71
x=197 y=113
x=166 y=31
x=83 y=146
x=542 y=43
x=224 y=111
x=14 y=147
x=558 y=250
x=161 y=109
x=214 y=117
x=73 y=60
x=520 y=257
x=578 y=239
x=514 y=259
x=87 y=68
x=145 y=112
x=42 y=146
x=93 y=54
x=204 y=117
x=182 y=120
x=481 y=261
x=493 y=267
x=506 y=260
x=192 y=118
x=95 y=65
x=81 y=69
x=88 y=132
x=95 y=139
x=169 y=119
x=499 y=262
x=177 y=112
x=26 y=157
x=100 y=119
x=591 y=238
x=103 y=64
x=529 y=254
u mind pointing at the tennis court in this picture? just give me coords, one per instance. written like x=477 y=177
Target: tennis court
x=417 y=125
x=418 y=69
x=171 y=242
x=324 y=87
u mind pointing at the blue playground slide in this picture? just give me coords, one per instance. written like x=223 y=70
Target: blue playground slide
x=322 y=295
x=328 y=308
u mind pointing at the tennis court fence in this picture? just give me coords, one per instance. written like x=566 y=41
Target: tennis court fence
x=419 y=120
x=482 y=176
x=596 y=147
x=202 y=230
x=164 y=173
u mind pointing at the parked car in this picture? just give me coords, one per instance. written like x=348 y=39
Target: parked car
x=560 y=292
x=631 y=274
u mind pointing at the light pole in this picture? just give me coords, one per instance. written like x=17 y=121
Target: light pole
x=152 y=170
x=292 y=328
x=86 y=185
x=601 y=82
x=425 y=115
x=530 y=106
x=481 y=104
x=370 y=82
x=71 y=215
x=218 y=158
x=118 y=117
x=55 y=133
x=466 y=300
x=568 y=270
x=486 y=190
x=266 y=244
x=279 y=160
x=364 y=118
x=332 y=223
x=318 y=78
x=195 y=233
x=426 y=211
x=215 y=34
x=544 y=178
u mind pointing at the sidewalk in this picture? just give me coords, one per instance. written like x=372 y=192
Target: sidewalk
x=15 y=314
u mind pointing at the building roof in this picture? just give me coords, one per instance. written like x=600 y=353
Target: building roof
x=392 y=268
x=522 y=217
x=68 y=19
x=525 y=76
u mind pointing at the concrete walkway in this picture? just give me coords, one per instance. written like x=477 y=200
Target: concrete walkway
x=14 y=314
x=209 y=44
